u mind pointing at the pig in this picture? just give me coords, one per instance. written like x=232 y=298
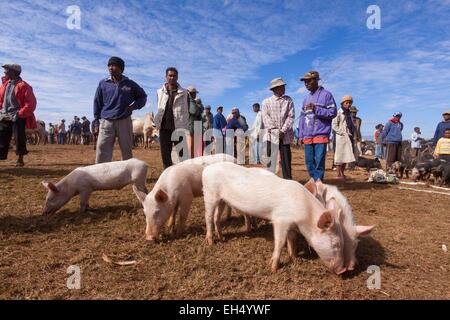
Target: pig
x=327 y=194
x=367 y=163
x=399 y=168
x=442 y=173
x=406 y=164
x=287 y=204
x=85 y=180
x=250 y=222
x=173 y=193
x=423 y=169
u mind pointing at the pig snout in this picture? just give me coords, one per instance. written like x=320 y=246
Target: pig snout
x=47 y=210
x=149 y=237
x=151 y=234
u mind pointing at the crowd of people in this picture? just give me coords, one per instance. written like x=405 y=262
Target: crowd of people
x=321 y=122
x=78 y=132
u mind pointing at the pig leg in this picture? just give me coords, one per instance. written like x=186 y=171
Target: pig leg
x=292 y=243
x=217 y=220
x=227 y=215
x=250 y=223
x=172 y=221
x=210 y=208
x=84 y=201
x=184 y=208
x=280 y=232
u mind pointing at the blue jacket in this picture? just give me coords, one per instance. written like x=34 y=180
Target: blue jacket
x=111 y=99
x=392 y=132
x=234 y=124
x=318 y=122
x=219 y=121
x=440 y=129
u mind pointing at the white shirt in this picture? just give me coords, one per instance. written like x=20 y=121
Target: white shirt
x=415 y=140
x=257 y=125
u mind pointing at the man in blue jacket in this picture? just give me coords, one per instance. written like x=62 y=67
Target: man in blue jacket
x=441 y=127
x=219 y=123
x=314 y=128
x=392 y=137
x=115 y=100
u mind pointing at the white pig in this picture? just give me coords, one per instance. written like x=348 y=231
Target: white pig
x=326 y=194
x=287 y=204
x=173 y=193
x=85 y=180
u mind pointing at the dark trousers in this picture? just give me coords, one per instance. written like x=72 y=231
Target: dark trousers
x=7 y=130
x=166 y=144
x=394 y=153
x=285 y=157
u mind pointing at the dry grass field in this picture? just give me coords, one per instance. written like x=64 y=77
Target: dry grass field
x=36 y=250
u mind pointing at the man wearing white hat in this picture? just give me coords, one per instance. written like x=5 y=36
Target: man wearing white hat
x=17 y=104
x=278 y=117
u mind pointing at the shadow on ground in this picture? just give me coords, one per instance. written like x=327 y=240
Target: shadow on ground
x=48 y=223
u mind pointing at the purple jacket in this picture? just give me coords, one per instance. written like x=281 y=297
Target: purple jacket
x=317 y=123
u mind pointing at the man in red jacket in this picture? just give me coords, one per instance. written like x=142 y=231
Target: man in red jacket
x=17 y=104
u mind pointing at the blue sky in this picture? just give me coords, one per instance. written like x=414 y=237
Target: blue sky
x=230 y=50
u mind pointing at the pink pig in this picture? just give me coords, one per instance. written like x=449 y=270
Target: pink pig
x=329 y=195
x=287 y=204
x=173 y=193
x=85 y=180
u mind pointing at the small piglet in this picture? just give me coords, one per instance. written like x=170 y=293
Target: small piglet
x=173 y=193
x=85 y=180
x=327 y=194
x=287 y=204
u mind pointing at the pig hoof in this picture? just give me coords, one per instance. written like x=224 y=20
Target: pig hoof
x=220 y=237
x=209 y=241
x=274 y=265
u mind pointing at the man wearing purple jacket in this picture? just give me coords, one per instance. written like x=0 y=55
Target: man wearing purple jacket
x=319 y=109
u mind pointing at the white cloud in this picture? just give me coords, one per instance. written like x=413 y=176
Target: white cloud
x=219 y=47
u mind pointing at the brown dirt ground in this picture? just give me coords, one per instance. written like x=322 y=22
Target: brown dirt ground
x=36 y=250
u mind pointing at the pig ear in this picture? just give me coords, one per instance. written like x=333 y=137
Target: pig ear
x=139 y=194
x=325 y=221
x=161 y=196
x=332 y=204
x=363 y=231
x=320 y=186
x=50 y=186
x=311 y=186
